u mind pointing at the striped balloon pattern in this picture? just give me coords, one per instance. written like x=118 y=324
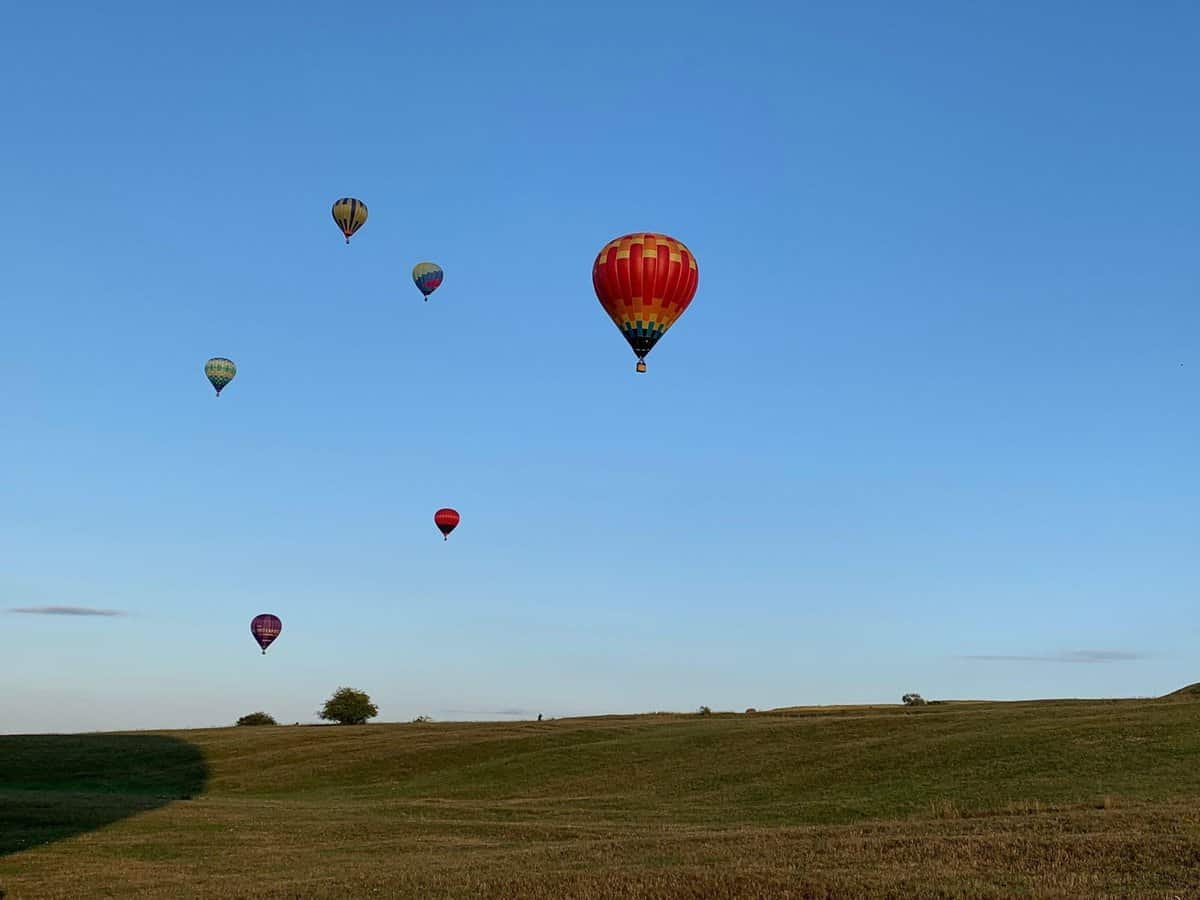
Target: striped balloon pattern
x=427 y=277
x=350 y=214
x=645 y=281
x=446 y=519
x=265 y=628
x=220 y=372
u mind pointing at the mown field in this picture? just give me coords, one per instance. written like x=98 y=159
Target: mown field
x=1043 y=799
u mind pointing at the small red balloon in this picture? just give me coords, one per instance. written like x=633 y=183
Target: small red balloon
x=446 y=520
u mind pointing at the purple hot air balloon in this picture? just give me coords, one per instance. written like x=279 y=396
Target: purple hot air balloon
x=265 y=629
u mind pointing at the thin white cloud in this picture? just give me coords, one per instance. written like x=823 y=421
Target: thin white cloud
x=490 y=712
x=1069 y=656
x=66 y=611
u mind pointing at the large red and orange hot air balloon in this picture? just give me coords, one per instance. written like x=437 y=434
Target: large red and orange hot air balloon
x=446 y=519
x=645 y=281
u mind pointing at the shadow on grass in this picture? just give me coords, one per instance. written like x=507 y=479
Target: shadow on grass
x=56 y=786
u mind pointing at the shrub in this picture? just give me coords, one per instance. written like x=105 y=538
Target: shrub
x=348 y=707
x=257 y=718
x=913 y=700
x=422 y=719
x=704 y=711
x=751 y=711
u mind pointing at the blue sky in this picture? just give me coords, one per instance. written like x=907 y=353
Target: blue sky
x=935 y=399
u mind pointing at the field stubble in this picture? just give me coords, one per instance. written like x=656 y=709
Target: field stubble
x=1070 y=799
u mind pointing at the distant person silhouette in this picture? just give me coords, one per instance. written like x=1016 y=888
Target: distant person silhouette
x=539 y=717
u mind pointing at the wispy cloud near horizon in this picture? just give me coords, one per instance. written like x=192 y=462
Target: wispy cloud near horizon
x=1069 y=656
x=66 y=611
x=489 y=712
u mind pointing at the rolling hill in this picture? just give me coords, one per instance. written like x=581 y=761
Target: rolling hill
x=1048 y=798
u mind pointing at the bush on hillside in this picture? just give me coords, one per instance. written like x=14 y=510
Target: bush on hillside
x=348 y=707
x=257 y=718
x=421 y=720
x=704 y=711
x=914 y=700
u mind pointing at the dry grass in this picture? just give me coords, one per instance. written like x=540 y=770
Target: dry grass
x=1075 y=799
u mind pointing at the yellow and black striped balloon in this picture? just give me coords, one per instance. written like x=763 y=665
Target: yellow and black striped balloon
x=350 y=214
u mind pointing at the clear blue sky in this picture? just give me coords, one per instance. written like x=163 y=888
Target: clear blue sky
x=935 y=400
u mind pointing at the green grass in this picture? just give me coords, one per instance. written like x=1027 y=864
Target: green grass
x=1055 y=798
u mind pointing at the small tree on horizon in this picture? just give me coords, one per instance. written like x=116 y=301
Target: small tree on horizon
x=914 y=700
x=348 y=707
x=257 y=718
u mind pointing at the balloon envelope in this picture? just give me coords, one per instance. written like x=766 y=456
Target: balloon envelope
x=427 y=277
x=350 y=214
x=644 y=281
x=265 y=628
x=220 y=372
x=446 y=520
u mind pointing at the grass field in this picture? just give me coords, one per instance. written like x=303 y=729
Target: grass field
x=1044 y=799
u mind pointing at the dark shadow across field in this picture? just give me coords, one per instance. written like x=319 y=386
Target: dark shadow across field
x=56 y=786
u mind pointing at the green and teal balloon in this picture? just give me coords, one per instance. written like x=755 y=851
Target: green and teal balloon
x=427 y=277
x=220 y=372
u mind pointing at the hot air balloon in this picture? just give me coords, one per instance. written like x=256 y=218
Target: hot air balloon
x=220 y=372
x=427 y=277
x=644 y=282
x=265 y=628
x=350 y=214
x=446 y=520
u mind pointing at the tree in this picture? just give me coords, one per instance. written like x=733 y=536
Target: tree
x=348 y=707
x=257 y=718
x=704 y=711
x=914 y=700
